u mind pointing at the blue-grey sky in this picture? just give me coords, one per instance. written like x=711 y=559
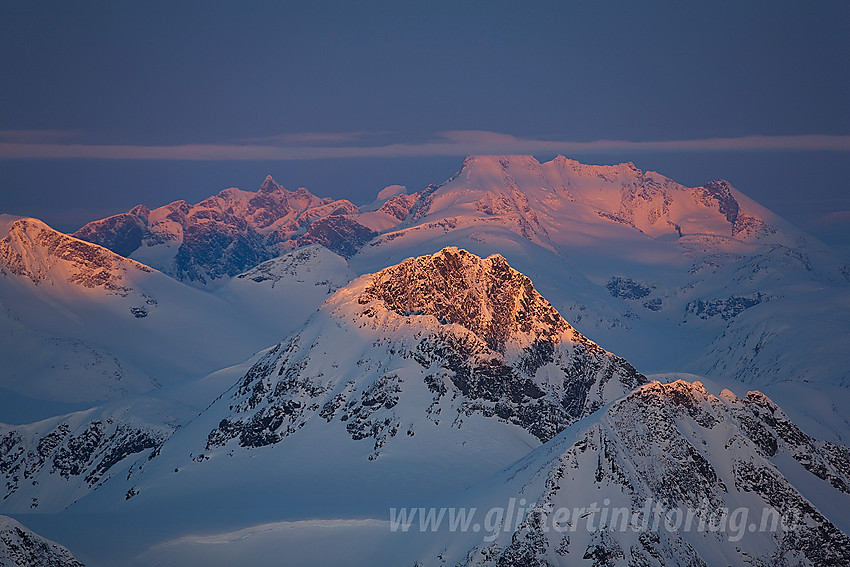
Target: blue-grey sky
x=108 y=104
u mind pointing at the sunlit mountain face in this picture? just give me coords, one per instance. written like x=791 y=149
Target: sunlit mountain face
x=492 y=370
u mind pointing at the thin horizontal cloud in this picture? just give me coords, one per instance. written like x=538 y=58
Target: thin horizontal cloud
x=312 y=138
x=450 y=143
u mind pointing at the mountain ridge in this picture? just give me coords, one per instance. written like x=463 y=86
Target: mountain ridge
x=675 y=451
x=386 y=386
x=249 y=227
x=225 y=234
x=20 y=547
x=406 y=375
x=86 y=324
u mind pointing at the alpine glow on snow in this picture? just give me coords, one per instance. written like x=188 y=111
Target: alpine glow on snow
x=480 y=284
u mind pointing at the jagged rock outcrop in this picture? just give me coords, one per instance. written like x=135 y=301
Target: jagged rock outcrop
x=674 y=475
x=471 y=335
x=228 y=233
x=43 y=255
x=21 y=547
x=46 y=466
x=706 y=258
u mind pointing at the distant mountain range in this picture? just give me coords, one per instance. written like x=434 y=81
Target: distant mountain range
x=224 y=235
x=412 y=358
x=89 y=325
x=645 y=266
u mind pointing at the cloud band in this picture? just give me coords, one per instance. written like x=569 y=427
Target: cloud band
x=451 y=143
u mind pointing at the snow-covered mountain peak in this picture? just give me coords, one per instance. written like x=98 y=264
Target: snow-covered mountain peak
x=520 y=164
x=391 y=191
x=445 y=358
x=142 y=211
x=227 y=233
x=692 y=398
x=680 y=448
x=86 y=324
x=35 y=251
x=434 y=342
x=728 y=396
x=504 y=161
x=547 y=202
x=486 y=296
x=269 y=185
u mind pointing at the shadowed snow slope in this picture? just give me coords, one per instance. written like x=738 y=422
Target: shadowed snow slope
x=678 y=450
x=666 y=475
x=421 y=378
x=85 y=324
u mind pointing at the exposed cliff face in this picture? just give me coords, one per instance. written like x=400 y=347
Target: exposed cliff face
x=122 y=233
x=485 y=296
x=35 y=251
x=721 y=459
x=470 y=334
x=47 y=466
x=399 y=206
x=338 y=233
x=21 y=547
x=229 y=233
